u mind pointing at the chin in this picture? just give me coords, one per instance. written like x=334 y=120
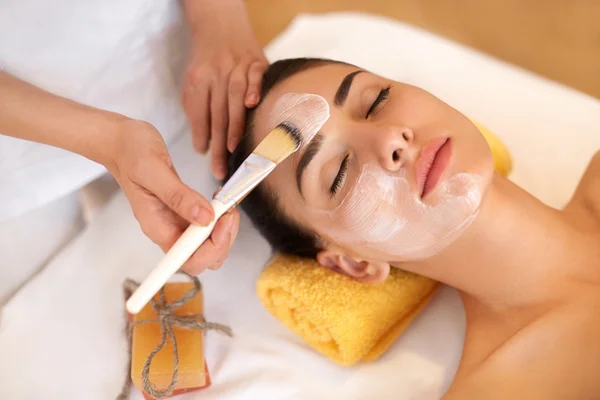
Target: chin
x=478 y=163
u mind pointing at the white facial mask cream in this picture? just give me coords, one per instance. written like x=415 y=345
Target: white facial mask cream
x=296 y=107
x=382 y=214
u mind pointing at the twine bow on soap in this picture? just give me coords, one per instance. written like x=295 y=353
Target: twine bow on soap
x=167 y=319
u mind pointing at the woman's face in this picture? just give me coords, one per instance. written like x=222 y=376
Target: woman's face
x=394 y=175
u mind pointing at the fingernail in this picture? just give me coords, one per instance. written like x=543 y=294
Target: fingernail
x=202 y=216
x=231 y=236
x=199 y=149
x=232 y=144
x=252 y=99
x=225 y=233
x=220 y=172
x=371 y=270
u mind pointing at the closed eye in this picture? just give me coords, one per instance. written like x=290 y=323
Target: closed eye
x=339 y=179
x=383 y=95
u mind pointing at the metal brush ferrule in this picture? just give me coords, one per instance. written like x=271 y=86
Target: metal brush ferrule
x=252 y=171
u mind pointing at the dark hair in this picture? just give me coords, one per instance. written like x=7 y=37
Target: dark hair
x=260 y=205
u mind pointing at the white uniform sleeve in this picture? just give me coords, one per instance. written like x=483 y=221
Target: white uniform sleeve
x=123 y=56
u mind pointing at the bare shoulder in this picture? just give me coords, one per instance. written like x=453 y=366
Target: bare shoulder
x=554 y=358
x=524 y=381
x=485 y=387
x=587 y=193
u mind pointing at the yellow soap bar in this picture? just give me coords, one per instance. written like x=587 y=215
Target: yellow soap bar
x=190 y=345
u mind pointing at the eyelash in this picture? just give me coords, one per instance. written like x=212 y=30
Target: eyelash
x=383 y=95
x=339 y=179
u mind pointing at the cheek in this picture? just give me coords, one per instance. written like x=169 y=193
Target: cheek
x=472 y=153
x=417 y=108
x=373 y=212
x=382 y=216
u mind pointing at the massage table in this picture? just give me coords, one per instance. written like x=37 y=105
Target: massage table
x=62 y=335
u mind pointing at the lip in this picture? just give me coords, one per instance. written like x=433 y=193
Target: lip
x=432 y=163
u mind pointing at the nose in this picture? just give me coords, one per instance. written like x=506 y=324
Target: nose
x=392 y=147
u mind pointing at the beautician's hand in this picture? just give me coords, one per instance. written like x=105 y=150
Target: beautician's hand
x=132 y=151
x=163 y=205
x=223 y=77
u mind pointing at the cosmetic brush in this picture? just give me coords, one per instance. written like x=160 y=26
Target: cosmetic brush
x=301 y=116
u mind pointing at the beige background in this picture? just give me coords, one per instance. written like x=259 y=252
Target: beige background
x=559 y=39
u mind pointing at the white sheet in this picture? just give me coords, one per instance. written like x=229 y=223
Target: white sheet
x=61 y=336
x=44 y=231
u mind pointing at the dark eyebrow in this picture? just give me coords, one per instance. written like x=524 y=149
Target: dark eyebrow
x=311 y=150
x=315 y=145
x=342 y=93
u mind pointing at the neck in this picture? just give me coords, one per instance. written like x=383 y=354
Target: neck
x=509 y=253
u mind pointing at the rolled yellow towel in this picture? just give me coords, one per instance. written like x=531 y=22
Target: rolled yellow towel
x=345 y=320
x=502 y=159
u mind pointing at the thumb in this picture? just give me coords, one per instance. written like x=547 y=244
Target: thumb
x=183 y=200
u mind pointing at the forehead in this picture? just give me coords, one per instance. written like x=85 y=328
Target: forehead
x=322 y=80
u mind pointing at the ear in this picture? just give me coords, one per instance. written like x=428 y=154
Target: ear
x=360 y=270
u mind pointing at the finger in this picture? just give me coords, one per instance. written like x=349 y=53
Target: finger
x=164 y=183
x=213 y=252
x=159 y=223
x=235 y=226
x=255 y=75
x=237 y=109
x=219 y=115
x=232 y=229
x=162 y=231
x=196 y=104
